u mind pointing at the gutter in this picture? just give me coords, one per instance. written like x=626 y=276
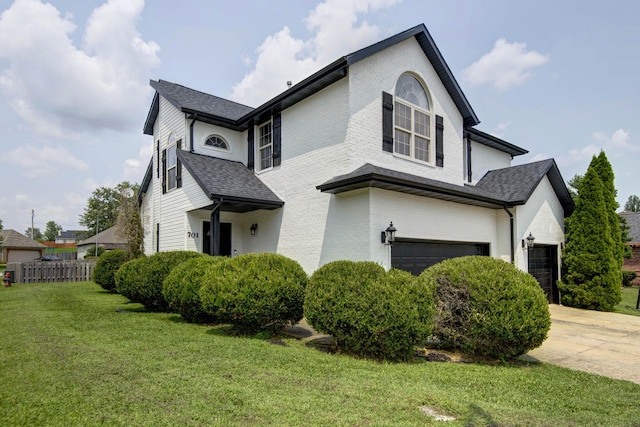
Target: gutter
x=512 y=232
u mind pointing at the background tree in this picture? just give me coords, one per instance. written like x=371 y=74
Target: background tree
x=591 y=271
x=129 y=225
x=102 y=208
x=36 y=234
x=574 y=186
x=632 y=205
x=51 y=231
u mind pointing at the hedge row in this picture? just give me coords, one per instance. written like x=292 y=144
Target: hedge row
x=478 y=305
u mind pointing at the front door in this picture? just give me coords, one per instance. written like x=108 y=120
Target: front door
x=543 y=265
x=225 y=238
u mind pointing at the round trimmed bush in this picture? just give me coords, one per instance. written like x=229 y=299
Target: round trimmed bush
x=106 y=267
x=487 y=307
x=141 y=279
x=255 y=291
x=181 y=288
x=369 y=312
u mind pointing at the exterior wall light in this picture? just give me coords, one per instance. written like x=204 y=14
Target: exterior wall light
x=253 y=229
x=528 y=244
x=388 y=236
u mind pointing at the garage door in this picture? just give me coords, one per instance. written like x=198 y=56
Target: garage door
x=415 y=256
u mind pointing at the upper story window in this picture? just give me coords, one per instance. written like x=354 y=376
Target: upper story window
x=412 y=119
x=265 y=145
x=172 y=167
x=216 y=141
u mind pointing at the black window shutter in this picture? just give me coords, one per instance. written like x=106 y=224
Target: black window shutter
x=439 y=141
x=387 y=122
x=164 y=171
x=158 y=158
x=250 y=148
x=277 y=140
x=178 y=165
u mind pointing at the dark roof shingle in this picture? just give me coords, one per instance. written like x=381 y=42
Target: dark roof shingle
x=238 y=187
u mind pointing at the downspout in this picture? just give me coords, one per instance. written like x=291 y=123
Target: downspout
x=512 y=232
x=194 y=116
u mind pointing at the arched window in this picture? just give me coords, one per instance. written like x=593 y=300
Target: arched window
x=216 y=141
x=412 y=119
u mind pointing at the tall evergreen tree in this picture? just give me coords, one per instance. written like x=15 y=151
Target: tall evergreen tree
x=591 y=272
x=605 y=172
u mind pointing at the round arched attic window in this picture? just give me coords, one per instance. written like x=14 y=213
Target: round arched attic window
x=409 y=89
x=216 y=141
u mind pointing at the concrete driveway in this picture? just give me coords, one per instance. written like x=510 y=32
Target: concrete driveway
x=601 y=343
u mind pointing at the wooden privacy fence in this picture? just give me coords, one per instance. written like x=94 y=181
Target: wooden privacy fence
x=52 y=271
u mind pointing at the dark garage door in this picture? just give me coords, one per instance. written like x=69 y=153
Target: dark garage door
x=415 y=256
x=543 y=265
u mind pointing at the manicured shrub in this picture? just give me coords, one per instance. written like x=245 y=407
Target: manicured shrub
x=181 y=288
x=106 y=267
x=628 y=277
x=141 y=279
x=487 y=307
x=255 y=291
x=368 y=311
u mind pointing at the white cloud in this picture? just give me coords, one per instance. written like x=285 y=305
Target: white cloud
x=134 y=169
x=506 y=66
x=282 y=57
x=619 y=140
x=500 y=129
x=57 y=88
x=36 y=161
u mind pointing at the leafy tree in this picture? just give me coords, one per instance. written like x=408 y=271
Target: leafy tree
x=591 y=270
x=632 y=205
x=102 y=208
x=129 y=225
x=35 y=235
x=574 y=186
x=51 y=231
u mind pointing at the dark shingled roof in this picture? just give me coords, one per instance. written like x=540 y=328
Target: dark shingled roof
x=220 y=111
x=633 y=222
x=13 y=239
x=209 y=107
x=238 y=187
x=506 y=187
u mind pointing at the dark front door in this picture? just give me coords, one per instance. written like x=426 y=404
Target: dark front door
x=225 y=238
x=415 y=256
x=543 y=265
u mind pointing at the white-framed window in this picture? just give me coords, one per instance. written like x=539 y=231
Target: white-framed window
x=172 y=167
x=412 y=120
x=216 y=142
x=265 y=145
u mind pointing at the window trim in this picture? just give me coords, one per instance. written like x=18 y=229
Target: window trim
x=413 y=108
x=213 y=148
x=260 y=148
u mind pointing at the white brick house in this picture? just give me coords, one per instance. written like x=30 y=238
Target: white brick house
x=318 y=172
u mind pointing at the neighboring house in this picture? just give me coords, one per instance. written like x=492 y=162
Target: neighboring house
x=633 y=222
x=16 y=247
x=107 y=239
x=317 y=173
x=70 y=236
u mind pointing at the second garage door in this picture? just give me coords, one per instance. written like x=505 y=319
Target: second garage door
x=415 y=256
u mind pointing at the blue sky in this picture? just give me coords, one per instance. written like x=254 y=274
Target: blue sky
x=558 y=78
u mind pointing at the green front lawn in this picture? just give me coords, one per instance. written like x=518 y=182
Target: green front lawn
x=75 y=355
x=629 y=301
